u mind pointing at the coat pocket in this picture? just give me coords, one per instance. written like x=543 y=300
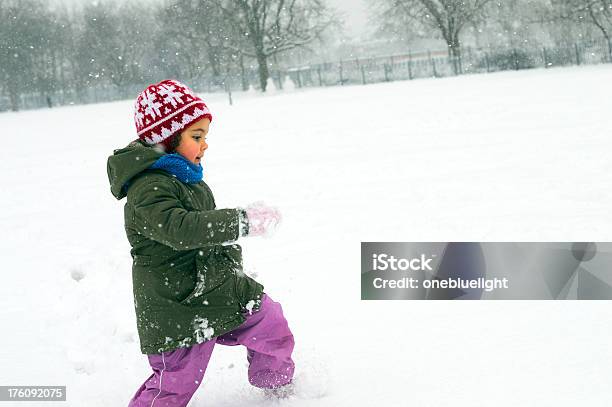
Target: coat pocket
x=161 y=279
x=233 y=259
x=212 y=274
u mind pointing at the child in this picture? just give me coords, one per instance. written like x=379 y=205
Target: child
x=189 y=289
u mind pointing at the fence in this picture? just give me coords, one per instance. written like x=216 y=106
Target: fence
x=411 y=65
x=414 y=65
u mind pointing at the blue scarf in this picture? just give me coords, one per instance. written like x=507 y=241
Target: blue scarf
x=180 y=167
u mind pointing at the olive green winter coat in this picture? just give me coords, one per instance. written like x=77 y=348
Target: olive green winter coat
x=187 y=275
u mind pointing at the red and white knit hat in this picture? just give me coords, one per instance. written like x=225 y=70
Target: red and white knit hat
x=163 y=109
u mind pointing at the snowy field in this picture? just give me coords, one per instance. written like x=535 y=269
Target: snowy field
x=514 y=156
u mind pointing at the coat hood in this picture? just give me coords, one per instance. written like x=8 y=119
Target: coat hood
x=128 y=162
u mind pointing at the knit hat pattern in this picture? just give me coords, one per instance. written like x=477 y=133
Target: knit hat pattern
x=163 y=109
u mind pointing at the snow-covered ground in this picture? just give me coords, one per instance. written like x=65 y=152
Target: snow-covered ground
x=514 y=156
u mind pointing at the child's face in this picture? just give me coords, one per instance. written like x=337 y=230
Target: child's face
x=193 y=141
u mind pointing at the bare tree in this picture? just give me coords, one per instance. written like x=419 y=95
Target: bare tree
x=113 y=44
x=59 y=45
x=97 y=45
x=447 y=17
x=45 y=56
x=23 y=31
x=203 y=39
x=273 y=26
x=595 y=12
x=136 y=27
x=393 y=25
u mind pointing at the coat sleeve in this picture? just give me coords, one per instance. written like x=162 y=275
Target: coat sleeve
x=160 y=215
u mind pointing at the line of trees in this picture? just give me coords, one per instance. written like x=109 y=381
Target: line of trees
x=49 y=48
x=509 y=23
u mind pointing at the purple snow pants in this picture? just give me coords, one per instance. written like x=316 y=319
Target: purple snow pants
x=178 y=373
